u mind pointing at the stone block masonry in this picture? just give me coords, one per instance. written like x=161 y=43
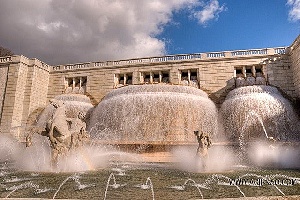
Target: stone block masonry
x=294 y=52
x=26 y=90
x=215 y=73
x=3 y=78
x=27 y=85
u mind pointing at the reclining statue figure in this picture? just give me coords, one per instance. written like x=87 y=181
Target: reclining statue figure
x=63 y=133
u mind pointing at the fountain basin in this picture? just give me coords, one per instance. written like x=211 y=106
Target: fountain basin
x=152 y=114
x=258 y=112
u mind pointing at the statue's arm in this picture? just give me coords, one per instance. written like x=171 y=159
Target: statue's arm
x=69 y=120
x=209 y=141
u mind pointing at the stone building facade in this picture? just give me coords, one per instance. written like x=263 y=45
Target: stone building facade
x=295 y=64
x=27 y=85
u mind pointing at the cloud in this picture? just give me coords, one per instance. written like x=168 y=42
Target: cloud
x=294 y=13
x=70 y=31
x=211 y=11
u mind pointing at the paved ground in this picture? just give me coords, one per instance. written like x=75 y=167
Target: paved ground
x=295 y=197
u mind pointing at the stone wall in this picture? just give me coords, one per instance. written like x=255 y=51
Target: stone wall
x=13 y=103
x=295 y=66
x=215 y=75
x=3 y=78
x=280 y=75
x=26 y=90
x=36 y=91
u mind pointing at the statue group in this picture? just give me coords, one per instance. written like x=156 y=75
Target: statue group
x=64 y=134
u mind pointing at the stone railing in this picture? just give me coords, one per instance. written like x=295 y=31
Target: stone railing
x=44 y=66
x=129 y=62
x=5 y=59
x=25 y=60
x=280 y=50
x=249 y=52
x=216 y=55
x=158 y=59
x=77 y=66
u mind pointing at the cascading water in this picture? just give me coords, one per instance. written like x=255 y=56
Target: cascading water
x=153 y=113
x=162 y=114
x=258 y=112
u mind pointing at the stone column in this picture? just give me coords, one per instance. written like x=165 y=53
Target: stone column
x=151 y=77
x=253 y=71
x=73 y=84
x=244 y=71
x=160 y=76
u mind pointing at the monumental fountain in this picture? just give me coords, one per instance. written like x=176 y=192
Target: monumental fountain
x=72 y=135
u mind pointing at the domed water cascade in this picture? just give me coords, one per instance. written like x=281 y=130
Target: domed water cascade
x=153 y=114
x=254 y=113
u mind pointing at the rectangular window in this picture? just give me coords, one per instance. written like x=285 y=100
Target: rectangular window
x=70 y=82
x=147 y=78
x=123 y=79
x=189 y=77
x=184 y=76
x=128 y=79
x=239 y=72
x=249 y=72
x=155 y=77
x=194 y=75
x=76 y=84
x=258 y=70
x=165 y=77
x=84 y=81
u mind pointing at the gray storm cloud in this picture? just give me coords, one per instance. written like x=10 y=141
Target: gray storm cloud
x=63 y=31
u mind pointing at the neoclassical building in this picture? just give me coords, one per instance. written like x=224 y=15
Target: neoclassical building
x=27 y=85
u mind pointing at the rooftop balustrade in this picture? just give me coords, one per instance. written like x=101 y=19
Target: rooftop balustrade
x=167 y=58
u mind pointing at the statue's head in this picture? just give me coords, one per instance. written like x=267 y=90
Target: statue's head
x=53 y=102
x=81 y=115
x=206 y=141
x=56 y=103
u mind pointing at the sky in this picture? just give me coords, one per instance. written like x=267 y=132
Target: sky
x=74 y=31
